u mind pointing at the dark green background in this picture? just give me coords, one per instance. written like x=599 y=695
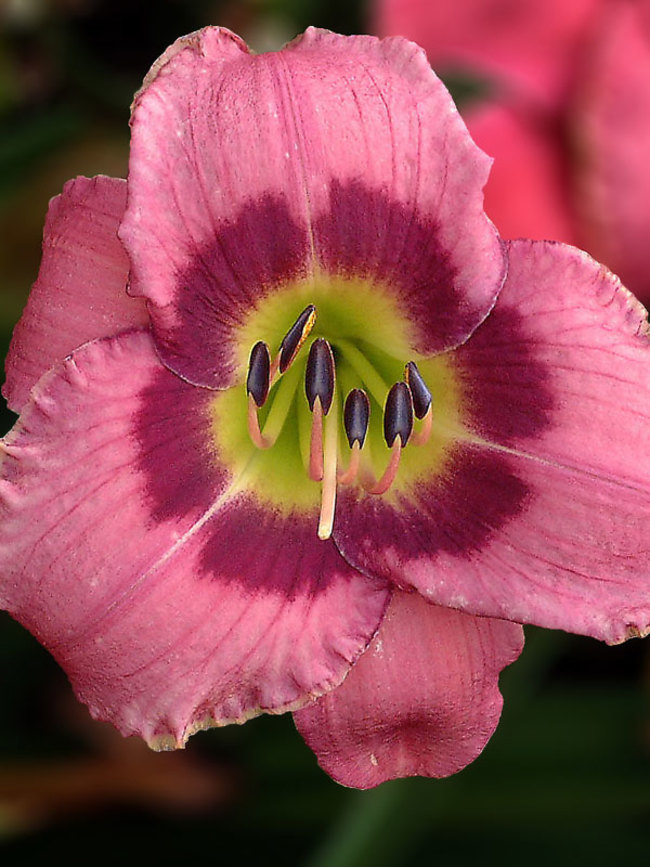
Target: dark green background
x=565 y=779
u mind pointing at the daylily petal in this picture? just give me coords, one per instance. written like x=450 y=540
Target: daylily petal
x=528 y=46
x=540 y=514
x=80 y=293
x=172 y=600
x=338 y=155
x=423 y=700
x=528 y=191
x=612 y=117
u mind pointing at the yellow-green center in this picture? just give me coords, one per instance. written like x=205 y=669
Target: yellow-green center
x=371 y=340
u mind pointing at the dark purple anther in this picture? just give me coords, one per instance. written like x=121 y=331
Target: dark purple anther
x=356 y=415
x=319 y=377
x=398 y=414
x=259 y=367
x=419 y=391
x=295 y=336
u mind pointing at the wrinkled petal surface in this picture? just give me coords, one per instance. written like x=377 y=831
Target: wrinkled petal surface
x=337 y=155
x=541 y=513
x=80 y=293
x=423 y=699
x=172 y=600
x=528 y=193
x=528 y=46
x=612 y=115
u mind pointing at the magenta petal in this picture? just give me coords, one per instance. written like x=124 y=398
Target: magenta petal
x=423 y=700
x=612 y=117
x=527 y=194
x=338 y=154
x=166 y=619
x=542 y=514
x=80 y=293
x=528 y=45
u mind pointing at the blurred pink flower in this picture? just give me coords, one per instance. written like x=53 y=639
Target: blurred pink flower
x=161 y=494
x=566 y=114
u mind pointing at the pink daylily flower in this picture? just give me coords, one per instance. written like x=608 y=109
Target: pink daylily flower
x=195 y=539
x=566 y=115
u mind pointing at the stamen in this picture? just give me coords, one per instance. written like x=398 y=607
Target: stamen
x=421 y=437
x=259 y=368
x=316 y=443
x=419 y=391
x=422 y=405
x=328 y=490
x=319 y=376
x=352 y=471
x=257 y=386
x=398 y=426
x=398 y=414
x=390 y=473
x=261 y=442
x=295 y=337
x=407 y=417
x=356 y=415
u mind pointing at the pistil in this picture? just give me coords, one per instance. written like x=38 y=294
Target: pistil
x=328 y=491
x=316 y=443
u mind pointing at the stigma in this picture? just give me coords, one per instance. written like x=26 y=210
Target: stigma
x=333 y=460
